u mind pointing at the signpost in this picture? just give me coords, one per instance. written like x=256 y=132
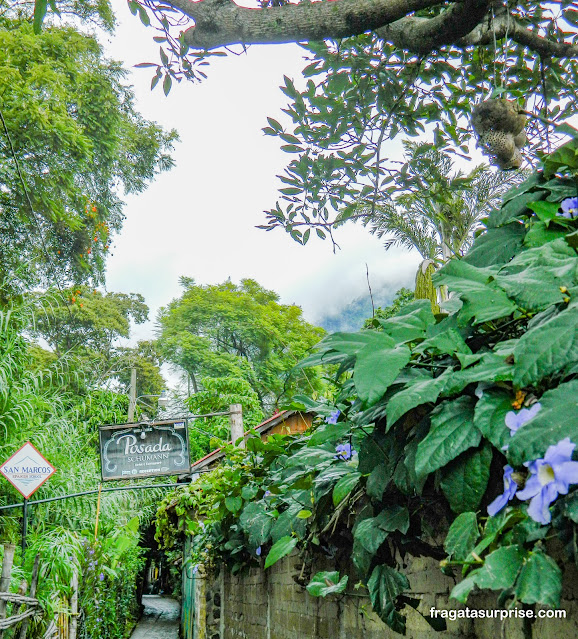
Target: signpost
x=26 y=470
x=132 y=451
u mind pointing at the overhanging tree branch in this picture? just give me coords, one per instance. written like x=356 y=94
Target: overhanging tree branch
x=462 y=24
x=221 y=22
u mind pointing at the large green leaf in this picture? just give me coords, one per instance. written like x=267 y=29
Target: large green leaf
x=384 y=585
x=452 y=432
x=280 y=549
x=410 y=323
x=540 y=580
x=372 y=532
x=326 y=583
x=344 y=486
x=483 y=299
x=465 y=480
x=462 y=536
x=376 y=369
x=534 y=277
x=496 y=246
x=555 y=421
x=501 y=568
x=256 y=523
x=289 y=523
x=421 y=391
x=547 y=348
x=490 y=414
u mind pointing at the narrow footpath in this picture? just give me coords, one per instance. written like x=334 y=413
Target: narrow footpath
x=160 y=619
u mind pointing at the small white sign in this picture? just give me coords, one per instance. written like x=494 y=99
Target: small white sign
x=27 y=470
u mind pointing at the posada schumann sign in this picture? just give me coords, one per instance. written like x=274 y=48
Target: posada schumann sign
x=130 y=451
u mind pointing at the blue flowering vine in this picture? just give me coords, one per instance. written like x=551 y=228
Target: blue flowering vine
x=549 y=477
x=332 y=419
x=570 y=208
x=345 y=451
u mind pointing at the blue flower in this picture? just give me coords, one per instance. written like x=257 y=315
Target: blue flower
x=517 y=420
x=195 y=569
x=344 y=451
x=332 y=419
x=101 y=576
x=268 y=493
x=550 y=477
x=258 y=551
x=570 y=207
x=510 y=488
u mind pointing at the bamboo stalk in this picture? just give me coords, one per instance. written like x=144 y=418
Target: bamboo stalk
x=7 y=562
x=32 y=593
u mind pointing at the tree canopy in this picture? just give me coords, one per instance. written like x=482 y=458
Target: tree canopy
x=71 y=142
x=239 y=331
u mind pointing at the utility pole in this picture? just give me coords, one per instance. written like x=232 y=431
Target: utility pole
x=132 y=395
x=236 y=424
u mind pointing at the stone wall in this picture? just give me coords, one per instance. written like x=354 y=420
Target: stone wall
x=271 y=605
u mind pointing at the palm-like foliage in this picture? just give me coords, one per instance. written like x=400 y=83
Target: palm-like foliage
x=433 y=208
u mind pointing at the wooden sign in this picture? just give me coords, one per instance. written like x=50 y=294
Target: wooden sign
x=27 y=470
x=132 y=451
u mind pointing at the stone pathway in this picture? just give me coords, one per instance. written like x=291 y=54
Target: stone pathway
x=160 y=619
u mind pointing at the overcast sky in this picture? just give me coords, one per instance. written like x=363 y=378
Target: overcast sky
x=199 y=219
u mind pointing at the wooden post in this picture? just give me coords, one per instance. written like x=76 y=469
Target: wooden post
x=33 y=585
x=5 y=578
x=132 y=395
x=236 y=423
x=73 y=603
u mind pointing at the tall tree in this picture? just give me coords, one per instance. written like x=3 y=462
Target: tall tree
x=71 y=142
x=239 y=331
x=84 y=331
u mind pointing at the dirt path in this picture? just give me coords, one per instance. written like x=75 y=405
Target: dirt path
x=160 y=619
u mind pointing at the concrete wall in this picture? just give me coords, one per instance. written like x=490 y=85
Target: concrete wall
x=271 y=605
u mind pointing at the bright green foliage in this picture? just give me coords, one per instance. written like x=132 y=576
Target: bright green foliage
x=86 y=318
x=241 y=331
x=216 y=396
x=411 y=450
x=35 y=407
x=360 y=93
x=79 y=143
x=402 y=297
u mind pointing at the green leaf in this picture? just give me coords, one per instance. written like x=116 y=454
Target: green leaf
x=256 y=523
x=483 y=300
x=233 y=504
x=540 y=580
x=462 y=536
x=384 y=585
x=547 y=348
x=545 y=210
x=377 y=481
x=326 y=583
x=304 y=514
x=167 y=84
x=344 y=486
x=280 y=549
x=421 y=391
x=501 y=568
x=451 y=433
x=375 y=370
x=496 y=246
x=465 y=480
x=490 y=414
x=461 y=591
x=410 y=323
x=534 y=277
x=555 y=421
x=540 y=234
x=289 y=523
